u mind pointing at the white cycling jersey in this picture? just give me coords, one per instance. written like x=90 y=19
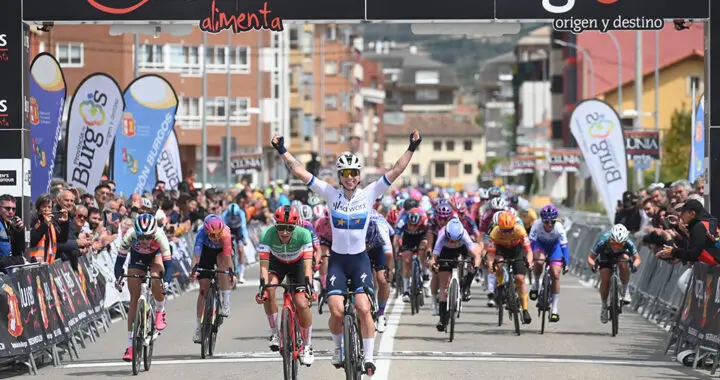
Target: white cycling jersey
x=539 y=235
x=443 y=242
x=349 y=217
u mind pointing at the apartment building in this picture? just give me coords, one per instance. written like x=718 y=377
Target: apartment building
x=255 y=63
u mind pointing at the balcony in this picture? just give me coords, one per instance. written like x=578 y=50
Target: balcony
x=373 y=95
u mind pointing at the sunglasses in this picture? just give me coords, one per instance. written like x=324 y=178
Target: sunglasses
x=615 y=244
x=349 y=172
x=81 y=216
x=507 y=231
x=548 y=221
x=146 y=237
x=285 y=227
x=8 y=208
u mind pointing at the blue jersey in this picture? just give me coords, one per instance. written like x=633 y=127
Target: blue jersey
x=237 y=224
x=602 y=247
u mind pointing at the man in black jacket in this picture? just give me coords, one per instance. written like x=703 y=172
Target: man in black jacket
x=701 y=244
x=12 y=233
x=628 y=213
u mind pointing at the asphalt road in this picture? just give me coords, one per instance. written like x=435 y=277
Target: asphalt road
x=578 y=347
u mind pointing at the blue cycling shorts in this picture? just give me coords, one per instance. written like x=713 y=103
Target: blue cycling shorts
x=552 y=250
x=355 y=268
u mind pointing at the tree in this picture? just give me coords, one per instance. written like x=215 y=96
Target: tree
x=675 y=148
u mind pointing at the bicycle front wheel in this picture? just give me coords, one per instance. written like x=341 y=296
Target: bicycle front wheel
x=452 y=306
x=614 y=305
x=288 y=346
x=206 y=326
x=138 y=335
x=148 y=349
x=350 y=348
x=513 y=302
x=545 y=303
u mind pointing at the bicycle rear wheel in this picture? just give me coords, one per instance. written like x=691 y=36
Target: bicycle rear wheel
x=399 y=285
x=545 y=302
x=413 y=289
x=514 y=302
x=288 y=346
x=208 y=318
x=138 y=335
x=452 y=306
x=350 y=348
x=499 y=299
x=148 y=349
x=418 y=285
x=614 y=305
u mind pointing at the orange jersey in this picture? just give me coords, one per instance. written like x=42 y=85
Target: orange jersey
x=508 y=239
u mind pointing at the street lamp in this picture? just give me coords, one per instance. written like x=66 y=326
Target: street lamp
x=587 y=58
x=619 y=69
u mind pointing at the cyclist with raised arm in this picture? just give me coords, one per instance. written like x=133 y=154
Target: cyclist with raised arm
x=349 y=212
x=235 y=218
x=453 y=241
x=213 y=247
x=413 y=234
x=611 y=247
x=549 y=241
x=379 y=247
x=286 y=251
x=149 y=251
x=509 y=240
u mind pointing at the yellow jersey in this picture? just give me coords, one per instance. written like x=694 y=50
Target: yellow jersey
x=511 y=239
x=528 y=217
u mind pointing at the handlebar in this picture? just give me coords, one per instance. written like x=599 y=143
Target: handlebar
x=205 y=270
x=633 y=268
x=291 y=288
x=503 y=261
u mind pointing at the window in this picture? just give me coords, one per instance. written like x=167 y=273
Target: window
x=307 y=43
x=345 y=133
x=294 y=37
x=331 y=68
x=331 y=135
x=694 y=81
x=426 y=95
x=467 y=168
x=345 y=100
x=439 y=169
x=346 y=68
x=330 y=102
x=215 y=108
x=152 y=57
x=437 y=146
x=467 y=145
x=308 y=86
x=239 y=57
x=188 y=113
x=70 y=54
x=450 y=145
x=427 y=77
x=394 y=118
x=239 y=110
x=216 y=58
x=185 y=58
x=415 y=169
x=331 y=33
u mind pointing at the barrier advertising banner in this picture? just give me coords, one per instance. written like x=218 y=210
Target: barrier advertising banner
x=564 y=160
x=95 y=114
x=150 y=105
x=47 y=99
x=33 y=309
x=697 y=157
x=598 y=132
x=642 y=147
x=169 y=167
x=12 y=327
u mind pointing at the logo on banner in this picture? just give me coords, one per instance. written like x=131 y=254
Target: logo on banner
x=131 y=6
x=39 y=153
x=8 y=178
x=128 y=125
x=34 y=111
x=14 y=319
x=92 y=111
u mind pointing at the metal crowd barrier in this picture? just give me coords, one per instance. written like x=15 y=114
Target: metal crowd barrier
x=654 y=288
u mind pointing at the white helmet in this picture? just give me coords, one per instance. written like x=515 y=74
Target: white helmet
x=496 y=216
x=512 y=211
x=146 y=203
x=348 y=160
x=619 y=233
x=498 y=204
x=306 y=212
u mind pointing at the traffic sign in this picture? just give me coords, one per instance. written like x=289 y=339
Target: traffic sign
x=211 y=166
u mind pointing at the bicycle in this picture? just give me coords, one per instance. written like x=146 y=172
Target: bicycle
x=210 y=319
x=507 y=294
x=322 y=296
x=291 y=342
x=397 y=277
x=545 y=296
x=615 y=304
x=352 y=340
x=454 y=299
x=417 y=293
x=144 y=333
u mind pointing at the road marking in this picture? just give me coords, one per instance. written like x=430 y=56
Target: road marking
x=387 y=358
x=387 y=341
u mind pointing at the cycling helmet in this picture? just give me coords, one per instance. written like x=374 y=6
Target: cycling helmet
x=387 y=202
x=393 y=216
x=549 y=212
x=483 y=194
x=319 y=211
x=414 y=217
x=498 y=204
x=514 y=200
x=348 y=160
x=313 y=200
x=234 y=209
x=410 y=204
x=306 y=212
x=213 y=224
x=460 y=206
x=619 y=233
x=146 y=203
x=454 y=230
x=495 y=217
x=507 y=221
x=287 y=215
x=145 y=224
x=296 y=204
x=494 y=192
x=443 y=210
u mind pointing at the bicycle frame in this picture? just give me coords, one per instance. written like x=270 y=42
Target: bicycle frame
x=510 y=292
x=144 y=333
x=353 y=350
x=208 y=335
x=614 y=303
x=454 y=296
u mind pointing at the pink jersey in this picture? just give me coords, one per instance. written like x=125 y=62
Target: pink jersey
x=324 y=229
x=486 y=221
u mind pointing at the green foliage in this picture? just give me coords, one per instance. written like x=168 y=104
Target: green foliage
x=598 y=207
x=676 y=146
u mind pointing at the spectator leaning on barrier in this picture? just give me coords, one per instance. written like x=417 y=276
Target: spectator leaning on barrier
x=628 y=213
x=47 y=231
x=12 y=233
x=701 y=242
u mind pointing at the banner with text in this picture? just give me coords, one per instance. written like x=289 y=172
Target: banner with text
x=523 y=165
x=47 y=99
x=564 y=160
x=246 y=163
x=12 y=327
x=150 y=106
x=169 y=166
x=642 y=147
x=697 y=157
x=95 y=113
x=598 y=132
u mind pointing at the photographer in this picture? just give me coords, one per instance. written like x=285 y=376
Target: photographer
x=47 y=231
x=701 y=242
x=12 y=233
x=628 y=213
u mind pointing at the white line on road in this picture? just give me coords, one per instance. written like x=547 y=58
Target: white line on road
x=387 y=341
